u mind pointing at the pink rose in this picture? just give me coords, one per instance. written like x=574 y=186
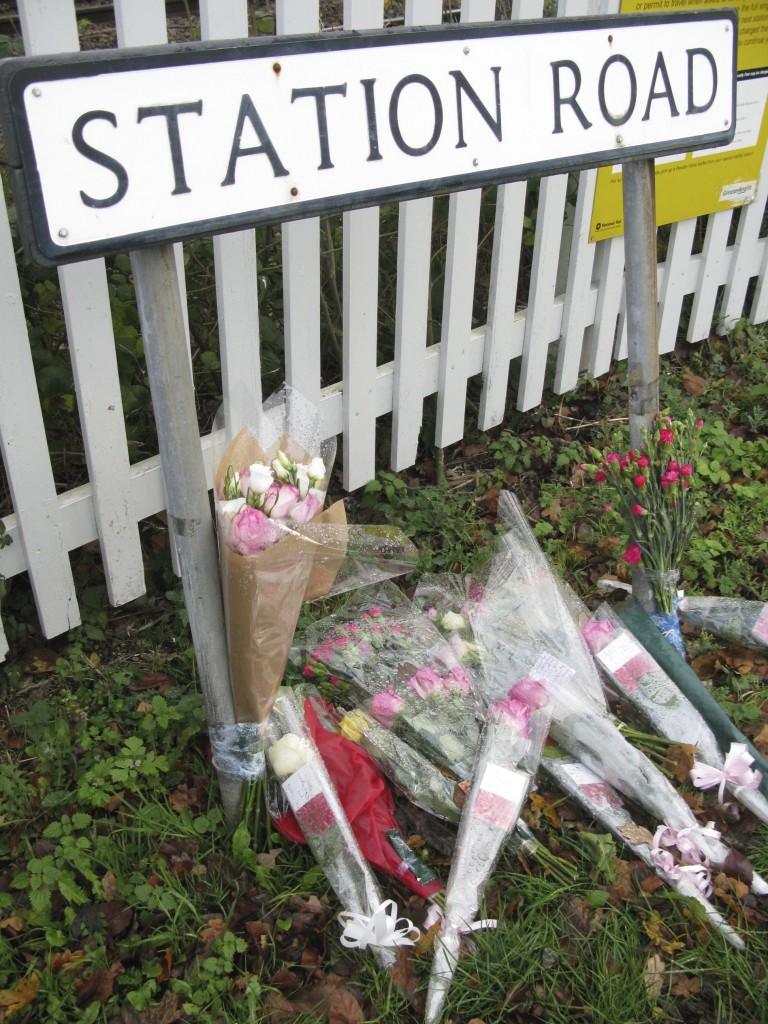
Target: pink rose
x=252 y=531
x=595 y=633
x=425 y=681
x=305 y=509
x=513 y=714
x=280 y=500
x=530 y=692
x=457 y=679
x=386 y=706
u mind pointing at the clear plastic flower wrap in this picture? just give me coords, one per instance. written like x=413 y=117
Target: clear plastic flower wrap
x=405 y=674
x=295 y=762
x=634 y=675
x=278 y=547
x=524 y=628
x=740 y=622
x=604 y=804
x=506 y=765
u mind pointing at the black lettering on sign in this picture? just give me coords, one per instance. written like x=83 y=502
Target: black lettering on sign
x=617 y=119
x=102 y=159
x=463 y=86
x=171 y=115
x=249 y=113
x=394 y=123
x=319 y=93
x=374 y=153
x=660 y=70
x=570 y=101
x=700 y=108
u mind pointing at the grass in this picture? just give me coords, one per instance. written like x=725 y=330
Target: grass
x=125 y=897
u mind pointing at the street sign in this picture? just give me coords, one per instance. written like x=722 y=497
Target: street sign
x=115 y=151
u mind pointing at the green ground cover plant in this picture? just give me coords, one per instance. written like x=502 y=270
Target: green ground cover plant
x=125 y=896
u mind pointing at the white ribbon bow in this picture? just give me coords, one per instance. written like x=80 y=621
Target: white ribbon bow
x=435 y=914
x=381 y=929
x=735 y=770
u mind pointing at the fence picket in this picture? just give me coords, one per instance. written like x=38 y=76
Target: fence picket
x=744 y=265
x=673 y=289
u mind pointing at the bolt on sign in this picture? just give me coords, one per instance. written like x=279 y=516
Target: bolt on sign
x=116 y=151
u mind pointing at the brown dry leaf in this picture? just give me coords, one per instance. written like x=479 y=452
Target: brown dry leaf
x=680 y=758
x=694 y=384
x=739 y=870
x=636 y=834
x=14 y=923
x=705 y=665
x=39 y=661
x=144 y=708
x=686 y=985
x=109 y=886
x=268 y=860
x=344 y=1008
x=68 y=960
x=660 y=935
x=22 y=994
x=540 y=803
x=166 y=965
x=97 y=986
x=155 y=681
x=285 y=981
x=650 y=884
x=117 y=916
x=213 y=930
x=653 y=976
x=404 y=971
x=760 y=741
x=179 y=799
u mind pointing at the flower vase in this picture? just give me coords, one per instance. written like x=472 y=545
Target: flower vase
x=655 y=590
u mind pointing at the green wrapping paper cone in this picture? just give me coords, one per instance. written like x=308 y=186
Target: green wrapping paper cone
x=677 y=669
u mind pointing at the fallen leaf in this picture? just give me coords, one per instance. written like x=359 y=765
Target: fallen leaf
x=739 y=870
x=694 y=384
x=636 y=834
x=117 y=917
x=705 y=665
x=97 y=986
x=213 y=930
x=109 y=886
x=540 y=803
x=404 y=971
x=680 y=758
x=653 y=976
x=144 y=708
x=15 y=924
x=686 y=985
x=38 y=661
x=167 y=1011
x=344 y=1008
x=68 y=960
x=760 y=741
x=22 y=994
x=166 y=965
x=268 y=860
x=155 y=681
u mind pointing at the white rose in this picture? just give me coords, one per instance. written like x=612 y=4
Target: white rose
x=451 y=622
x=287 y=755
x=260 y=479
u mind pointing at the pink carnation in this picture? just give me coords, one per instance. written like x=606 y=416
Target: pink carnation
x=643 y=461
x=639 y=480
x=666 y=436
x=633 y=554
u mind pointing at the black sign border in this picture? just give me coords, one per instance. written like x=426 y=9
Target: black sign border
x=17 y=72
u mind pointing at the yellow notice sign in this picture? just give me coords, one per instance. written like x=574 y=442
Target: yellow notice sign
x=695 y=184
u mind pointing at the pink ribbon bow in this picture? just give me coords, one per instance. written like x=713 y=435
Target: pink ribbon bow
x=736 y=770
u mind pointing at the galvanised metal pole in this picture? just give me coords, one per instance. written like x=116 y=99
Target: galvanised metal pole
x=641 y=295
x=189 y=511
x=642 y=307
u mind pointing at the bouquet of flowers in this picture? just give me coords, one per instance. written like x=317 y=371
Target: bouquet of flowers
x=690 y=878
x=403 y=672
x=306 y=785
x=638 y=678
x=740 y=622
x=279 y=547
x=653 y=490
x=506 y=765
x=524 y=627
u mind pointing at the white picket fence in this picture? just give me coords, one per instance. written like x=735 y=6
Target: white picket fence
x=575 y=303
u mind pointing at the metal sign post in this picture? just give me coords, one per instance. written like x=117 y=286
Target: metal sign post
x=134 y=150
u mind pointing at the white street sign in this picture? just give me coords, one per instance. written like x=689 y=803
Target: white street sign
x=127 y=149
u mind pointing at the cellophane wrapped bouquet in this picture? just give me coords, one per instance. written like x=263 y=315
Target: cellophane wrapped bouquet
x=278 y=547
x=736 y=620
x=653 y=490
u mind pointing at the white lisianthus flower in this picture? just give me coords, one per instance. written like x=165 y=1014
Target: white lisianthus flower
x=452 y=622
x=302 y=480
x=232 y=507
x=260 y=479
x=317 y=493
x=283 y=466
x=316 y=470
x=287 y=755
